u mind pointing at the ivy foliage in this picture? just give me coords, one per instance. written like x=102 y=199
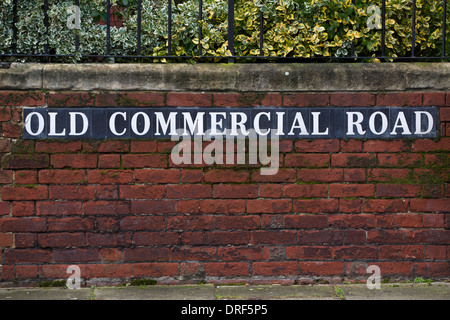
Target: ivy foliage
x=291 y=28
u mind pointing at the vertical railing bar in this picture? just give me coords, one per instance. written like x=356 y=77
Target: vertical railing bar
x=200 y=21
x=261 y=32
x=139 y=26
x=77 y=32
x=444 y=26
x=353 y=42
x=14 y=27
x=108 y=27
x=413 y=29
x=46 y=26
x=169 y=27
x=231 y=29
x=383 y=28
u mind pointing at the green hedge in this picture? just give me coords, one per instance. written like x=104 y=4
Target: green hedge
x=292 y=28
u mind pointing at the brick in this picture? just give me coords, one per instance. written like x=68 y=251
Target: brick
x=430 y=205
x=107 y=100
x=427 y=145
x=390 y=221
x=111 y=255
x=142 y=223
x=351 y=237
x=11 y=130
x=275 y=268
x=392 y=252
x=444 y=114
x=355 y=175
x=106 y=207
x=308 y=252
x=141 y=99
x=307 y=160
x=352 y=99
x=235 y=191
x=166 y=146
x=58 y=208
x=5 y=208
x=306 y=221
x=25 y=240
x=107 y=224
x=269 y=206
x=349 y=205
x=386 y=146
x=146 y=254
x=156 y=238
x=111 y=270
x=399 y=99
x=436 y=99
x=109 y=161
x=237 y=253
x=22 y=161
x=356 y=160
x=73 y=161
x=29 y=98
x=188 y=206
x=270 y=191
x=6 y=240
x=107 y=192
x=226 y=175
x=222 y=206
x=320 y=237
x=58 y=147
x=196 y=253
x=28 y=256
x=108 y=239
x=321 y=268
x=71 y=192
x=360 y=221
x=143 y=146
x=394 y=236
x=25 y=177
x=191 y=176
x=271 y=99
x=320 y=175
x=62 y=176
x=157 y=175
x=111 y=146
x=317 y=145
x=188 y=191
x=316 y=206
x=109 y=176
x=283 y=175
x=351 y=145
x=434 y=220
x=5 y=114
x=6 y=176
x=166 y=269
x=189 y=99
x=388 y=175
x=20 y=208
x=237 y=99
x=24 y=193
x=355 y=252
x=75 y=255
x=398 y=191
x=305 y=191
x=141 y=192
x=352 y=190
x=400 y=159
x=273 y=237
x=435 y=252
x=385 y=205
x=153 y=206
x=306 y=99
x=272 y=221
x=69 y=99
x=224 y=269
x=433 y=269
x=183 y=222
x=5 y=145
x=58 y=240
x=144 y=161
x=227 y=238
x=69 y=224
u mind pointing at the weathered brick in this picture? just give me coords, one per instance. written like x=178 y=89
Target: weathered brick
x=316 y=205
x=73 y=161
x=259 y=206
x=24 y=193
x=306 y=99
x=157 y=175
x=353 y=190
x=235 y=191
x=141 y=192
x=24 y=161
x=189 y=99
x=305 y=191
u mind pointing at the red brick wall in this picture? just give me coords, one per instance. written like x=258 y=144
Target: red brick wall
x=121 y=209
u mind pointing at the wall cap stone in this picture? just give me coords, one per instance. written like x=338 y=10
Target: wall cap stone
x=255 y=77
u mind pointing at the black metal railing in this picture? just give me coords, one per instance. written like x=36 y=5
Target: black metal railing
x=230 y=37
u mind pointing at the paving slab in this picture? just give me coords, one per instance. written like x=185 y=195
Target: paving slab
x=276 y=292
x=158 y=292
x=45 y=294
